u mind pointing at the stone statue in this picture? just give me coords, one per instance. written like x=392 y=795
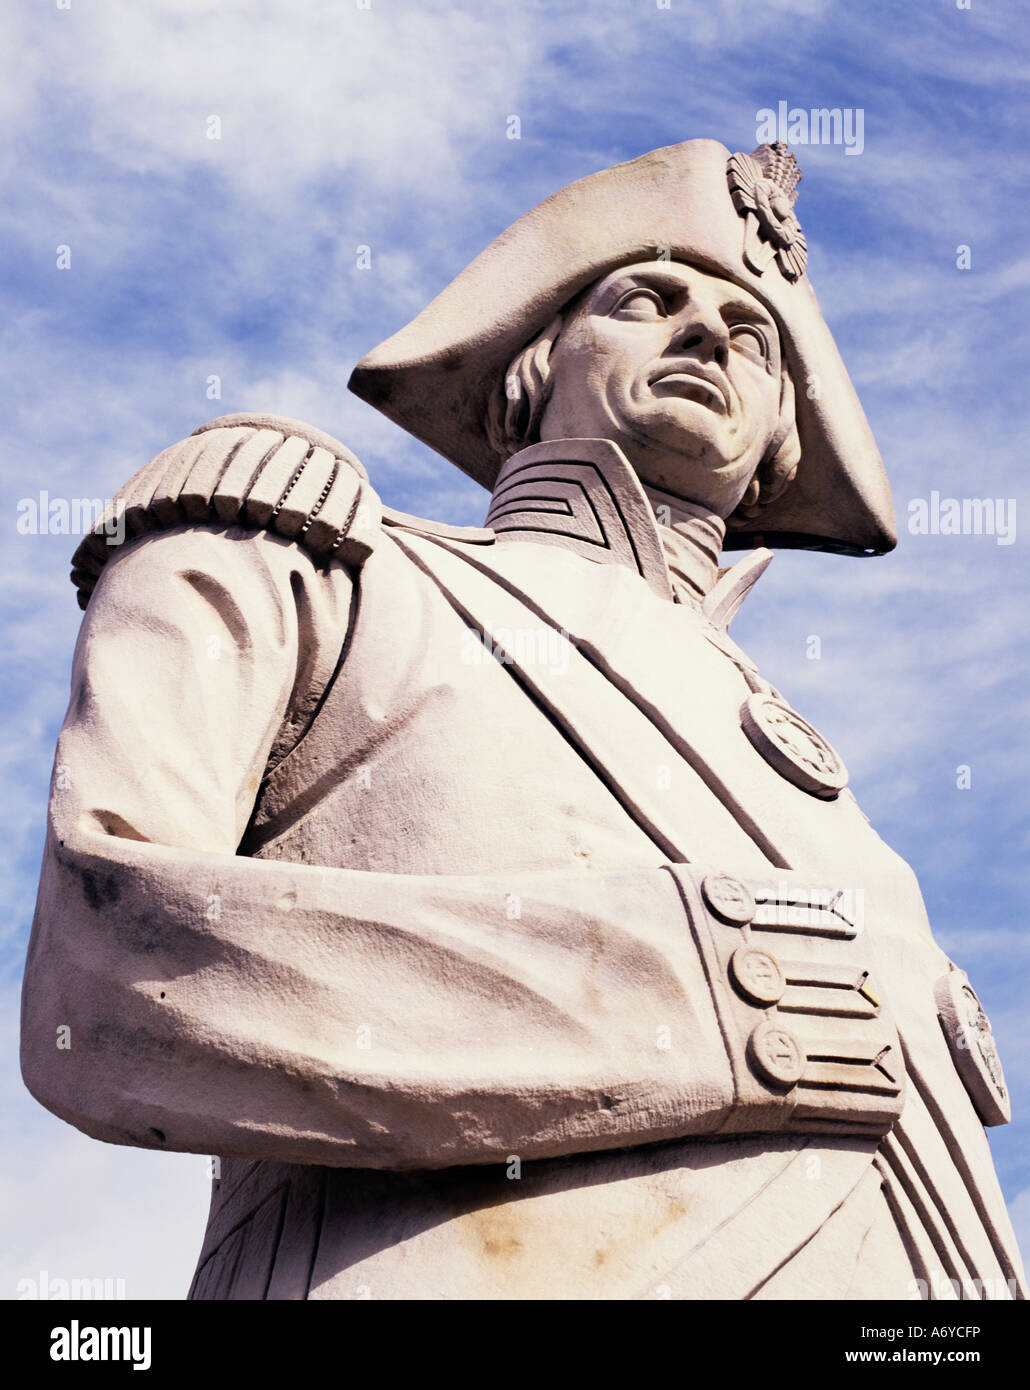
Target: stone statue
x=468 y=892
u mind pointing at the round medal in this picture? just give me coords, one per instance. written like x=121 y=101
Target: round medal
x=792 y=746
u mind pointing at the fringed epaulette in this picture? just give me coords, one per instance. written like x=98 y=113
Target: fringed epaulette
x=261 y=471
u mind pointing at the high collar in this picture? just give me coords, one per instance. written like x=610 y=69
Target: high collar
x=692 y=537
x=584 y=495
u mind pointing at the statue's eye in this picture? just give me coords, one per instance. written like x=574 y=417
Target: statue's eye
x=640 y=306
x=752 y=341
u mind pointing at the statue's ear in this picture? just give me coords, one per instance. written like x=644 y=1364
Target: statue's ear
x=780 y=463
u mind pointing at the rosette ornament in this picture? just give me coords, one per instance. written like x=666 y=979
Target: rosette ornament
x=763 y=185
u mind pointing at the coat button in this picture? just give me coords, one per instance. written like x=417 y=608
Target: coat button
x=777 y=1054
x=729 y=899
x=757 y=975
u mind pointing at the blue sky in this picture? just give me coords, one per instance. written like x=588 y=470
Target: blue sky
x=387 y=127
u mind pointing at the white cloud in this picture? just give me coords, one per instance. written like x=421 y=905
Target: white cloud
x=80 y=1209
x=84 y=1210
x=390 y=91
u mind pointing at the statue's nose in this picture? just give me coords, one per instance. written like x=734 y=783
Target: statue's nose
x=701 y=330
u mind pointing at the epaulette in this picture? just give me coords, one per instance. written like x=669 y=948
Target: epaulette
x=262 y=471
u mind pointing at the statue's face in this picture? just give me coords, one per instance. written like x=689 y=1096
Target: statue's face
x=680 y=368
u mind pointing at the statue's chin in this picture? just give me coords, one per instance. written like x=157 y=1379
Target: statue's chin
x=704 y=476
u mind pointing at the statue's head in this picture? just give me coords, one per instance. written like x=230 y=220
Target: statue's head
x=663 y=306
x=679 y=367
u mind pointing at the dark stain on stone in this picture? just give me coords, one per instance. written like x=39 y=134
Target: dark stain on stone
x=100 y=891
x=91 y=888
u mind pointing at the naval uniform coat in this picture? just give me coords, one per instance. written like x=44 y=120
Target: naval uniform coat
x=447 y=901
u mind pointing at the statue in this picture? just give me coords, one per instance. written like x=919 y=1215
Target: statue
x=467 y=892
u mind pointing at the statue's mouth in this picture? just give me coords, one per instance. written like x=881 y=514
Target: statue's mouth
x=693 y=384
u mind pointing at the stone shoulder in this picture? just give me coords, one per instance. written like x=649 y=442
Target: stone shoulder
x=261 y=471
